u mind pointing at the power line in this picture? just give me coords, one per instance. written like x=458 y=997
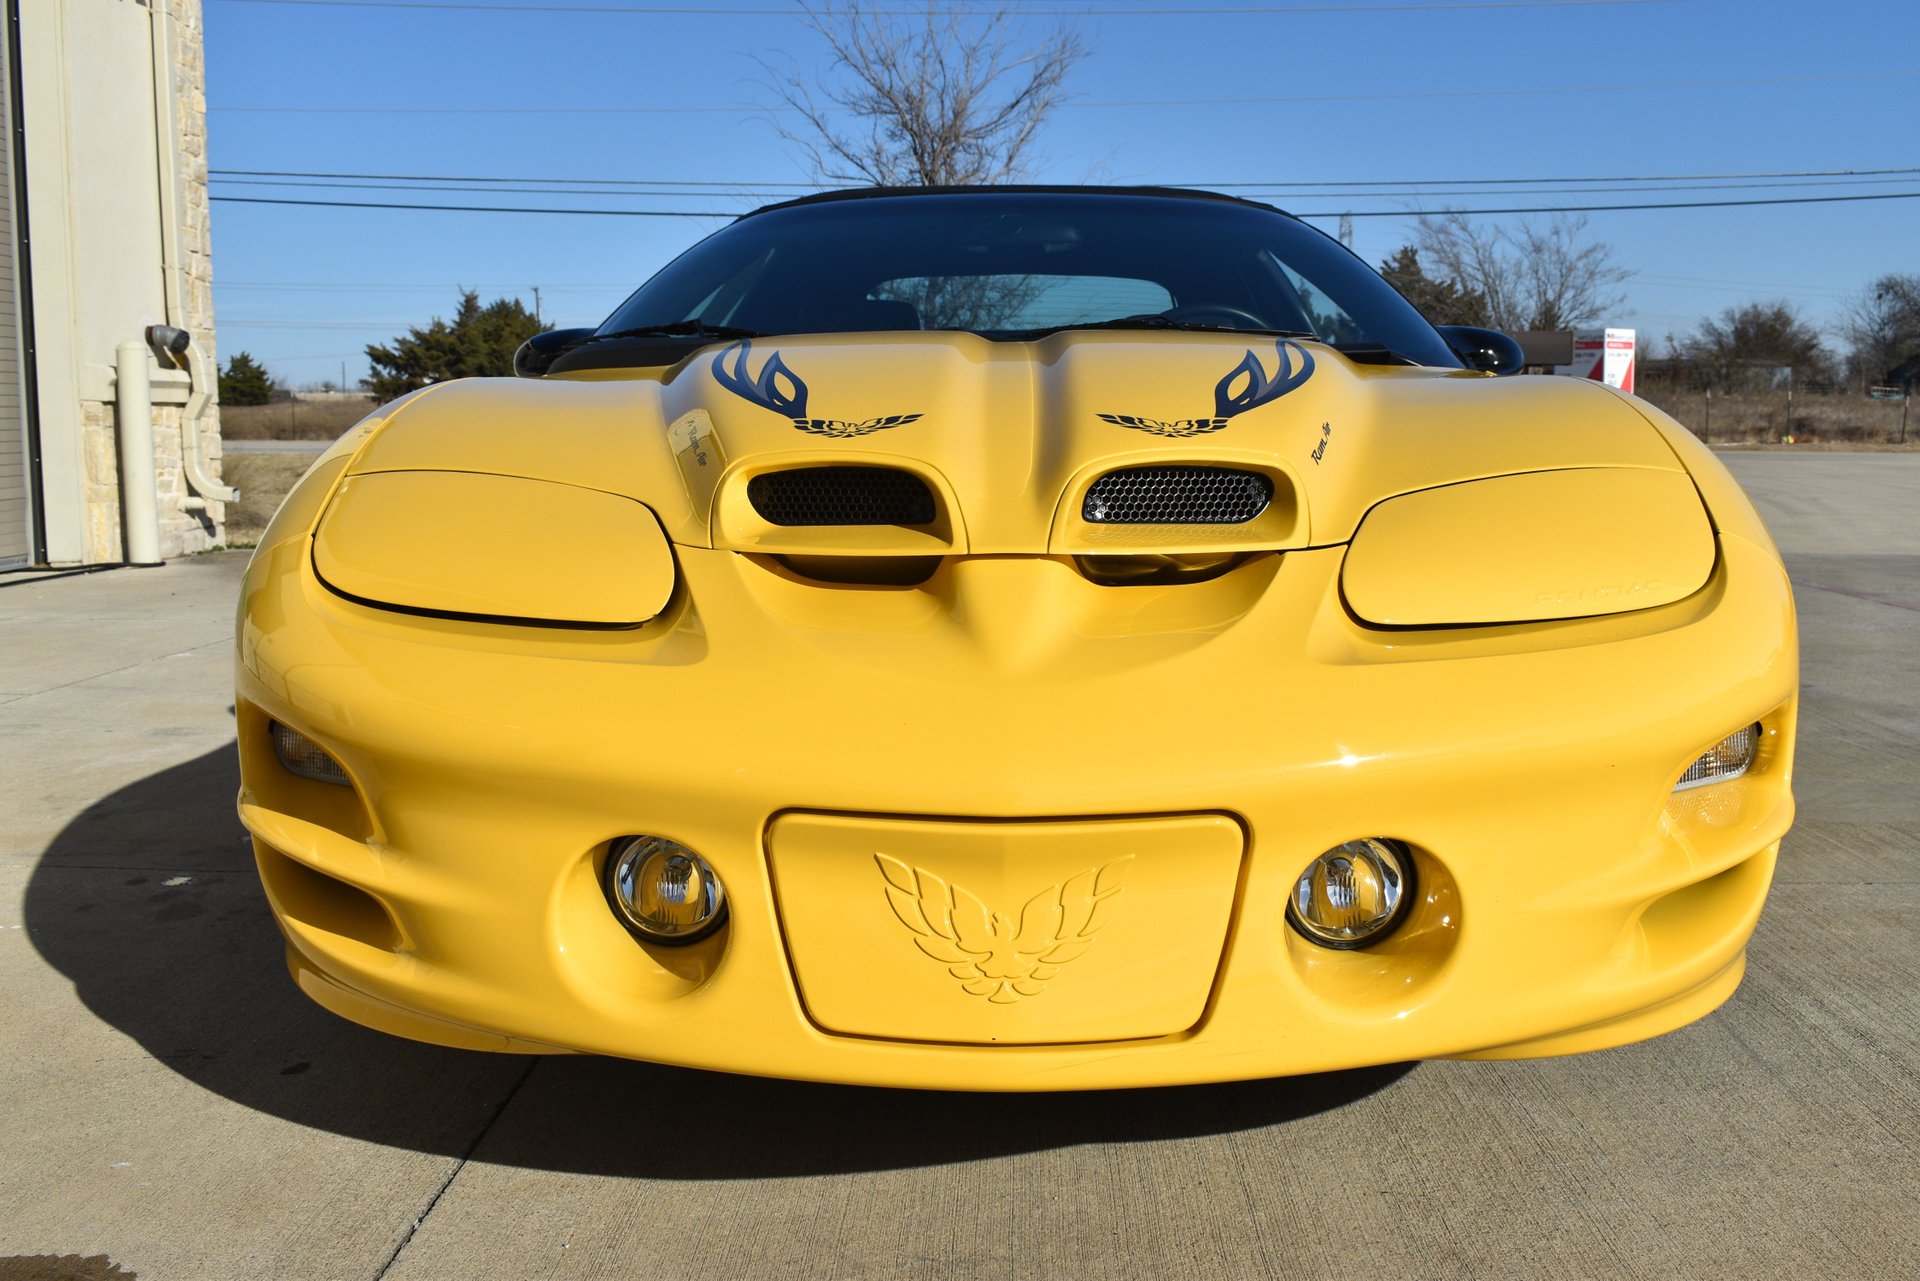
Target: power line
x=1106 y=104
x=1464 y=182
x=756 y=186
x=1825 y=295
x=1741 y=284
x=1353 y=213
x=1671 y=204
x=624 y=287
x=507 y=189
x=1442 y=191
x=375 y=204
x=1649 y=187
x=1647 y=86
x=620 y=182
x=336 y=286
x=951 y=9
x=316 y=325
x=481 y=111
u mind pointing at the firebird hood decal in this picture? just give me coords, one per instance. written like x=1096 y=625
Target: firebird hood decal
x=1245 y=387
x=768 y=392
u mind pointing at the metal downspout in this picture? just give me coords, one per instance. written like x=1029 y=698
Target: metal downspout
x=210 y=490
x=198 y=366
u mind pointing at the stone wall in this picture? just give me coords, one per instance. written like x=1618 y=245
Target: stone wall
x=183 y=531
x=101 y=455
x=186 y=524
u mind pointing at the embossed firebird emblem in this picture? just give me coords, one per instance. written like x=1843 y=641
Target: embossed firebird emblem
x=778 y=388
x=1246 y=387
x=991 y=955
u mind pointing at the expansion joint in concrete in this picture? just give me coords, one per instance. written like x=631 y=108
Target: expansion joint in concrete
x=426 y=1211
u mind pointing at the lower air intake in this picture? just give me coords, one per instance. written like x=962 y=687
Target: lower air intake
x=841 y=496
x=1177 y=495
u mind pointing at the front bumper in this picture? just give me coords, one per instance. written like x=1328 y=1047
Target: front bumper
x=1568 y=900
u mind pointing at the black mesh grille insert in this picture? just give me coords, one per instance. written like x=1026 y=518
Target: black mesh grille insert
x=841 y=496
x=1177 y=495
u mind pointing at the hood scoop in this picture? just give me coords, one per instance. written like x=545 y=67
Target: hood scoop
x=815 y=496
x=1176 y=495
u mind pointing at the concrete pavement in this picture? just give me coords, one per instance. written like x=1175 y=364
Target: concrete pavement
x=173 y=1105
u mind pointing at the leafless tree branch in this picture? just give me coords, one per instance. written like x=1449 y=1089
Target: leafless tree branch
x=1882 y=326
x=1533 y=275
x=938 y=99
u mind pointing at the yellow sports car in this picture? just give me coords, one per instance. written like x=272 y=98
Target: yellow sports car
x=1017 y=639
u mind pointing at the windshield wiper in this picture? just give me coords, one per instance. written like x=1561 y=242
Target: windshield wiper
x=1154 y=322
x=679 y=329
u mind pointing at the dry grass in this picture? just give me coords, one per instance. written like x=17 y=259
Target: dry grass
x=263 y=480
x=291 y=420
x=1842 y=421
x=1797 y=446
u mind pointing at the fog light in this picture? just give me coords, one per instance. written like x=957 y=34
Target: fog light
x=1353 y=895
x=1729 y=758
x=664 y=891
x=302 y=756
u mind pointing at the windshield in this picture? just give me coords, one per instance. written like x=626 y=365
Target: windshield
x=1017 y=264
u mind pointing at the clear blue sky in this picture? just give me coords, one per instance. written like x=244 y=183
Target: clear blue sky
x=1367 y=92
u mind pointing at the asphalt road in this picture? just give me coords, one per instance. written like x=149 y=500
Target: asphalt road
x=172 y=1104
x=275 y=446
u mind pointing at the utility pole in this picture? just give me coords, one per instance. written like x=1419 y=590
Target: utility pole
x=536 y=308
x=1346 y=230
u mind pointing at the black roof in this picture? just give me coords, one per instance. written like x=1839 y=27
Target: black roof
x=874 y=193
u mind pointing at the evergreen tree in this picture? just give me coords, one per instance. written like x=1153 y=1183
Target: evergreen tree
x=478 y=343
x=1443 y=302
x=245 y=381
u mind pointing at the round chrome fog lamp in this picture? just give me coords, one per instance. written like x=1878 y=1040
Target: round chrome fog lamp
x=1353 y=895
x=663 y=891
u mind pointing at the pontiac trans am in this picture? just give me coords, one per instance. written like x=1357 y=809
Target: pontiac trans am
x=1017 y=638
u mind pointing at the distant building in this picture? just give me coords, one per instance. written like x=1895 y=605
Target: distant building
x=103 y=233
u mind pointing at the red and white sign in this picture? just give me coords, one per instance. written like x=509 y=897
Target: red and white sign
x=1604 y=355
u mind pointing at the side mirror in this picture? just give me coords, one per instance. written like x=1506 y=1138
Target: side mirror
x=537 y=354
x=1488 y=350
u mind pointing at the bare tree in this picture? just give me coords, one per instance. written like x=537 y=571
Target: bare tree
x=943 y=98
x=1747 y=343
x=1532 y=275
x=1883 y=328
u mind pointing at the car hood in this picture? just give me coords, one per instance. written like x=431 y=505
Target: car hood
x=1009 y=435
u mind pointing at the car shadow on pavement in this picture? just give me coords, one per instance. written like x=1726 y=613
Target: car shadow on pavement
x=147 y=901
